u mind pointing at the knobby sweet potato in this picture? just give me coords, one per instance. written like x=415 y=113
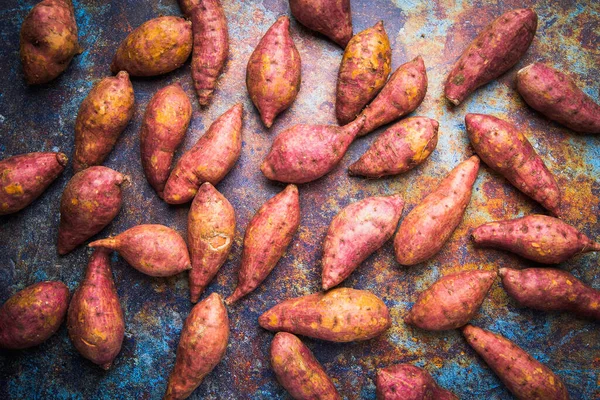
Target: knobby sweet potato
x=407 y=382
x=332 y=18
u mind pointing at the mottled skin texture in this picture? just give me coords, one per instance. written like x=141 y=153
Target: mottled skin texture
x=524 y=376
x=24 y=177
x=267 y=237
x=209 y=160
x=91 y=199
x=298 y=371
x=32 y=315
x=507 y=151
x=102 y=116
x=339 y=315
x=273 y=73
x=156 y=47
x=201 y=347
x=430 y=224
x=493 y=52
x=407 y=382
x=401 y=95
x=400 y=148
x=357 y=232
x=210 y=233
x=166 y=121
x=332 y=18
x=95 y=318
x=540 y=238
x=48 y=41
x=550 y=289
x=154 y=250
x=557 y=96
x=451 y=301
x=364 y=69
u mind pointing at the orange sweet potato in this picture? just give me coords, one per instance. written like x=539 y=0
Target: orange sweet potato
x=407 y=382
x=332 y=18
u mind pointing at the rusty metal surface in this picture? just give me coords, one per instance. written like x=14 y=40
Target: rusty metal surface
x=42 y=118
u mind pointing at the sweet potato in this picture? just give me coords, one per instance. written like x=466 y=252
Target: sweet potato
x=507 y=151
x=298 y=371
x=209 y=160
x=211 y=228
x=95 y=318
x=339 y=315
x=493 y=52
x=399 y=149
x=267 y=237
x=332 y=18
x=156 y=47
x=557 y=96
x=32 y=315
x=166 y=120
x=202 y=345
x=525 y=377
x=102 y=116
x=550 y=289
x=364 y=69
x=429 y=225
x=154 y=250
x=451 y=301
x=407 y=382
x=273 y=74
x=24 y=177
x=48 y=40
x=540 y=238
x=91 y=199
x=357 y=232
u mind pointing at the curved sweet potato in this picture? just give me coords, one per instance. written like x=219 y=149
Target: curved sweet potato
x=332 y=18
x=407 y=382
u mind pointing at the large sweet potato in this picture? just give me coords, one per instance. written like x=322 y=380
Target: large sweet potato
x=332 y=18
x=407 y=382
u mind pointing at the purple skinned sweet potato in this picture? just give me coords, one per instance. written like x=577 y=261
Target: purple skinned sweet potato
x=332 y=18
x=407 y=382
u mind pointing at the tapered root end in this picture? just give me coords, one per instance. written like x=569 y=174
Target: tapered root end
x=237 y=294
x=106 y=366
x=595 y=246
x=106 y=243
x=62 y=159
x=455 y=102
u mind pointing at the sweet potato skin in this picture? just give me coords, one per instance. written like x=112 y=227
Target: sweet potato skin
x=407 y=382
x=400 y=148
x=267 y=237
x=209 y=160
x=430 y=224
x=557 y=96
x=493 y=52
x=24 y=177
x=298 y=371
x=357 y=232
x=525 y=377
x=91 y=199
x=187 y=6
x=332 y=18
x=31 y=316
x=339 y=315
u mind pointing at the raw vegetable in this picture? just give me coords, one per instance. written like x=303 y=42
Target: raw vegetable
x=332 y=18
x=407 y=382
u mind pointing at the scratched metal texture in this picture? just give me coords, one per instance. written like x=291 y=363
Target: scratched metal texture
x=42 y=118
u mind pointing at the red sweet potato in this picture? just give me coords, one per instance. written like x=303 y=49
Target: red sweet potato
x=267 y=237
x=430 y=224
x=407 y=382
x=187 y=6
x=332 y=18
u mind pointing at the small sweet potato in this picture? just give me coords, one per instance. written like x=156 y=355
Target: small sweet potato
x=357 y=232
x=156 y=47
x=550 y=289
x=407 y=382
x=166 y=120
x=273 y=74
x=102 y=116
x=298 y=371
x=95 y=318
x=525 y=377
x=332 y=18
x=339 y=315
x=154 y=250
x=211 y=228
x=493 y=52
x=540 y=238
x=24 y=177
x=557 y=96
x=430 y=224
x=32 y=315
x=202 y=345
x=267 y=237
x=364 y=69
x=209 y=160
x=451 y=301
x=399 y=149
x=91 y=199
